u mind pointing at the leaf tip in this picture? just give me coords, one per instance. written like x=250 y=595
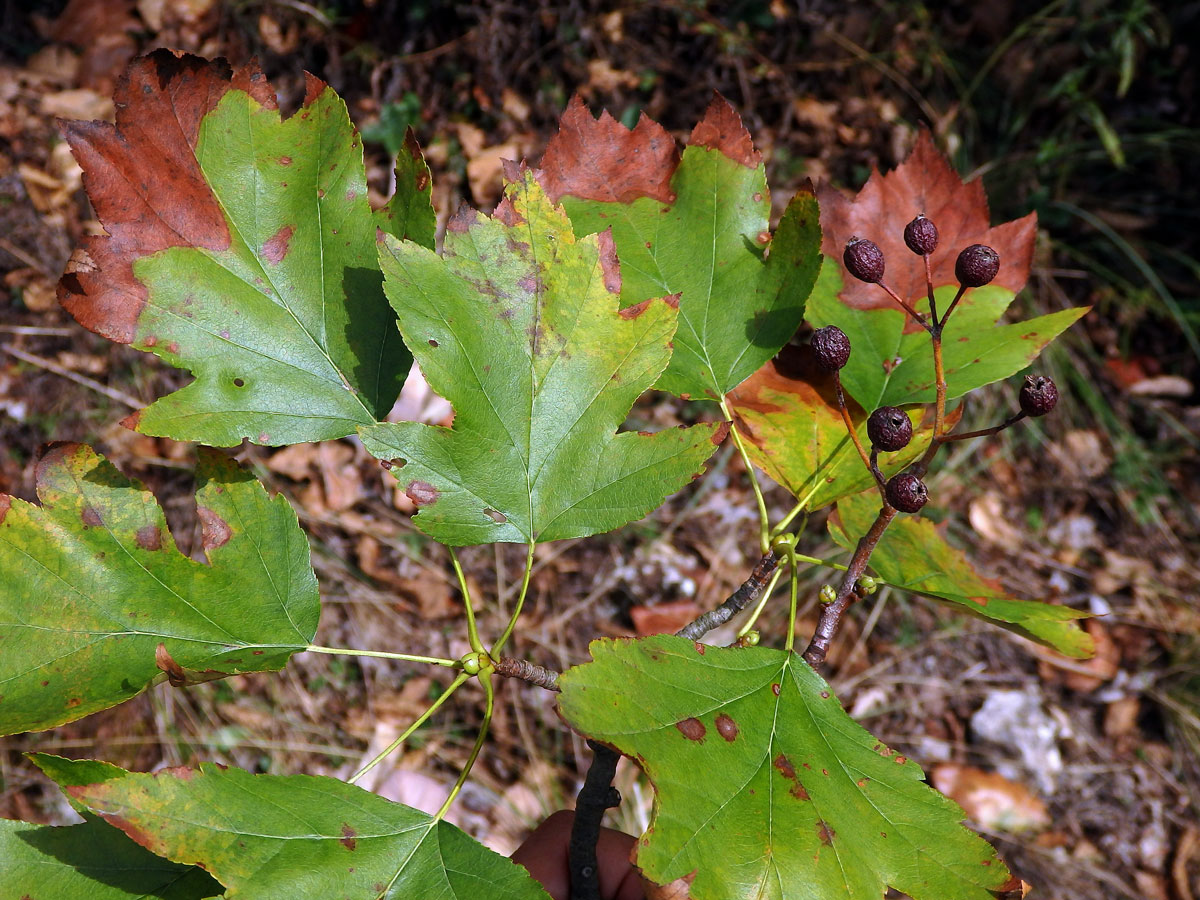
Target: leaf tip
x=54 y=456
x=602 y=160
x=313 y=88
x=721 y=129
x=176 y=676
x=462 y=219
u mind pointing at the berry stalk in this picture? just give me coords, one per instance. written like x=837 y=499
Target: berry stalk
x=831 y=614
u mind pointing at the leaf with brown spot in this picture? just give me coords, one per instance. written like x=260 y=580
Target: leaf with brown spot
x=91 y=615
x=891 y=361
x=241 y=247
x=788 y=416
x=214 y=531
x=752 y=817
x=695 y=227
x=271 y=836
x=914 y=556
x=517 y=324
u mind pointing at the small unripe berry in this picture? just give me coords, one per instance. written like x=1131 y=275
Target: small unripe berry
x=977 y=265
x=1038 y=395
x=828 y=594
x=889 y=428
x=906 y=493
x=921 y=235
x=864 y=260
x=831 y=346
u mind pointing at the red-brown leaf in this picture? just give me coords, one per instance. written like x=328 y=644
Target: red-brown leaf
x=601 y=159
x=722 y=129
x=151 y=150
x=923 y=183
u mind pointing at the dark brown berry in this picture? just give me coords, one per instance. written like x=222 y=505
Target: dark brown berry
x=921 y=235
x=831 y=347
x=1038 y=396
x=977 y=265
x=864 y=260
x=906 y=492
x=889 y=428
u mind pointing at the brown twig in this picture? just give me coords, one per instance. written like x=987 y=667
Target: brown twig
x=908 y=309
x=873 y=465
x=596 y=797
x=540 y=676
x=82 y=380
x=929 y=286
x=849 y=423
x=750 y=591
x=962 y=289
x=831 y=615
x=983 y=432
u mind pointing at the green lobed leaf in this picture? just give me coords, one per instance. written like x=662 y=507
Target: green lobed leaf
x=517 y=325
x=409 y=215
x=889 y=367
x=93 y=861
x=703 y=239
x=912 y=555
x=280 y=837
x=765 y=787
x=94 y=587
x=242 y=248
x=788 y=415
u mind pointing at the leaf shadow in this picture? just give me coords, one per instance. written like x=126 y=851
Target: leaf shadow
x=381 y=360
x=104 y=854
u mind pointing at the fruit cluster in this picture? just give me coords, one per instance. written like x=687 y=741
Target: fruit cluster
x=889 y=428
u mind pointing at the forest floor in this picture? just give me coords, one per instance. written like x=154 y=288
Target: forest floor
x=1086 y=775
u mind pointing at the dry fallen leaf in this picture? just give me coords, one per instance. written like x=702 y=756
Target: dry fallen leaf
x=663 y=618
x=297 y=462
x=1100 y=668
x=606 y=79
x=339 y=475
x=987 y=517
x=990 y=799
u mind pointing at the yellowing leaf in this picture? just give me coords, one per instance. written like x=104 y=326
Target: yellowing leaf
x=518 y=326
x=98 y=603
x=914 y=556
x=697 y=227
x=787 y=412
